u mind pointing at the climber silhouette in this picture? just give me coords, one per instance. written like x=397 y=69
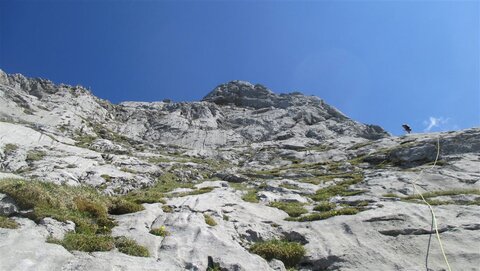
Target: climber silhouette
x=407 y=128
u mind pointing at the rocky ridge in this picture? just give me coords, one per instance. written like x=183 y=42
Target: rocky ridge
x=262 y=165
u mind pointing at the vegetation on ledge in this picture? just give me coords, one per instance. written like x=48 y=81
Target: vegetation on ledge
x=8 y=223
x=290 y=253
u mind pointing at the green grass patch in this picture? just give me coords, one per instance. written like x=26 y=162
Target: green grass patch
x=293 y=209
x=238 y=186
x=83 y=205
x=251 y=196
x=324 y=206
x=9 y=148
x=8 y=223
x=160 y=231
x=451 y=192
x=106 y=177
x=290 y=253
x=200 y=191
x=166 y=183
x=311 y=180
x=158 y=160
x=209 y=220
x=84 y=141
x=340 y=188
x=390 y=195
x=91 y=242
x=85 y=242
x=327 y=214
x=120 y=206
x=429 y=197
x=169 y=182
x=130 y=247
x=145 y=195
x=35 y=155
x=167 y=208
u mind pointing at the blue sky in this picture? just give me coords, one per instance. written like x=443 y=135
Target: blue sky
x=379 y=62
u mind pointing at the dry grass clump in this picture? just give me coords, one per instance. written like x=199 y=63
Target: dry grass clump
x=209 y=220
x=7 y=223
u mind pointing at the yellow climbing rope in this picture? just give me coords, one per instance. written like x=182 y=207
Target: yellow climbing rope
x=434 y=218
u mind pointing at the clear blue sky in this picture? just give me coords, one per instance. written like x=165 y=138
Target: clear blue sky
x=380 y=62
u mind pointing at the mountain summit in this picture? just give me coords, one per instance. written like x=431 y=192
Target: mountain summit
x=245 y=94
x=233 y=113
x=245 y=179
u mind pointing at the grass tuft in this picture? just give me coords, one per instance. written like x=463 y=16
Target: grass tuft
x=8 y=223
x=161 y=231
x=35 y=155
x=10 y=148
x=293 y=209
x=209 y=220
x=289 y=186
x=251 y=196
x=83 y=205
x=390 y=195
x=167 y=208
x=324 y=206
x=340 y=188
x=121 y=206
x=429 y=197
x=328 y=214
x=130 y=247
x=85 y=242
x=452 y=192
x=290 y=253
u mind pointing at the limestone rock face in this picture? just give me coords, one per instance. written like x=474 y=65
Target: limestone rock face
x=244 y=94
x=259 y=165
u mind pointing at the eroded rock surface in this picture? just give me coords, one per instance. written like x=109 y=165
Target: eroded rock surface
x=238 y=157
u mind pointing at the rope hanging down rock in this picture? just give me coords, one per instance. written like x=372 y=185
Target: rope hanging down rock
x=434 y=218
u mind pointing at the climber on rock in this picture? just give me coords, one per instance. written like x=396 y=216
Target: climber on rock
x=407 y=128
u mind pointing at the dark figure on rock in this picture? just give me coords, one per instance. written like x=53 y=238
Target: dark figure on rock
x=407 y=128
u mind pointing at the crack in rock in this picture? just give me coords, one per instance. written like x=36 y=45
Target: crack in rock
x=414 y=231
x=399 y=217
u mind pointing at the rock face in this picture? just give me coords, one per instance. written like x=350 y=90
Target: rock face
x=272 y=166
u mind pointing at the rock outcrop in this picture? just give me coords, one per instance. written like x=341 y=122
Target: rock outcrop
x=243 y=166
